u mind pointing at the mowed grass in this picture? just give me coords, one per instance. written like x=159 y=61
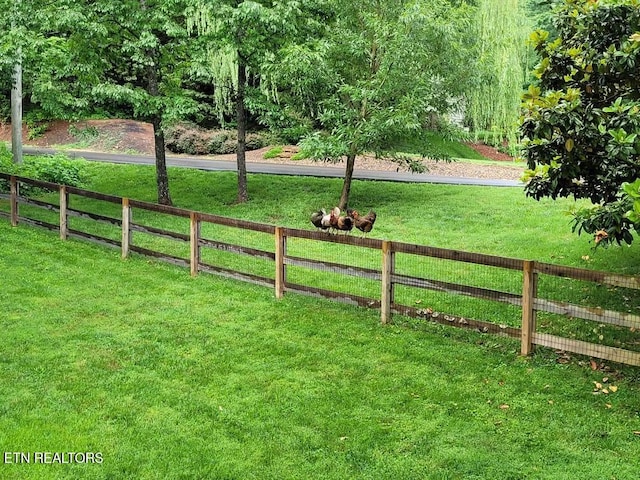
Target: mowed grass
x=170 y=376
x=176 y=377
x=498 y=221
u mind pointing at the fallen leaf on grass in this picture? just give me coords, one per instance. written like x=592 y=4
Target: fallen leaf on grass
x=504 y=406
x=603 y=387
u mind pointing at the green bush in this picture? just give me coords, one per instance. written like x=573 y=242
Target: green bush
x=56 y=168
x=273 y=153
x=191 y=139
x=217 y=141
x=230 y=145
x=293 y=134
x=255 y=141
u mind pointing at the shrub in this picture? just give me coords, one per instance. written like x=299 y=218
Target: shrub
x=51 y=168
x=217 y=140
x=254 y=141
x=182 y=138
x=230 y=145
x=273 y=152
x=193 y=140
x=58 y=169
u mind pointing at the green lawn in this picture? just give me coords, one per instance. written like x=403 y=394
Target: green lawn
x=499 y=221
x=169 y=376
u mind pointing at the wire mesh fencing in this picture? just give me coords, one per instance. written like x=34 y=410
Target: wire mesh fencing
x=465 y=292
x=591 y=313
x=565 y=308
x=337 y=267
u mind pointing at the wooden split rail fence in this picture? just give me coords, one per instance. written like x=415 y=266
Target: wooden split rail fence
x=526 y=300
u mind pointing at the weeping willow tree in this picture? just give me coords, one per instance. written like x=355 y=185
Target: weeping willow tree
x=240 y=34
x=217 y=23
x=493 y=105
x=220 y=67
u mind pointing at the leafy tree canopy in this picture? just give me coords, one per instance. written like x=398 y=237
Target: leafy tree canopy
x=378 y=75
x=581 y=118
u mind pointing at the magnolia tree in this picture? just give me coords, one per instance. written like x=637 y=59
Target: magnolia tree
x=581 y=118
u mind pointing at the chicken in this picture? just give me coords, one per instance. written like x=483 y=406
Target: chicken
x=320 y=219
x=332 y=220
x=344 y=224
x=363 y=223
x=339 y=223
x=600 y=235
x=333 y=217
x=326 y=221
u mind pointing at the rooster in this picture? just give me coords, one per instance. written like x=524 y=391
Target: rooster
x=344 y=224
x=339 y=223
x=326 y=221
x=320 y=219
x=363 y=223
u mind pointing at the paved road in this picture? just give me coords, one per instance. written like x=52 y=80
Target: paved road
x=278 y=169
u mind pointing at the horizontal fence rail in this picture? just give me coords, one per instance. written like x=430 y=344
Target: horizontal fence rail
x=411 y=279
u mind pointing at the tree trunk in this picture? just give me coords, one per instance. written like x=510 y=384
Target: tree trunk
x=16 y=113
x=162 y=178
x=153 y=89
x=242 y=131
x=346 y=186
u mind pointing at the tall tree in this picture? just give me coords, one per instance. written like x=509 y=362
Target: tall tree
x=56 y=79
x=13 y=41
x=246 y=32
x=493 y=104
x=140 y=52
x=581 y=119
x=378 y=76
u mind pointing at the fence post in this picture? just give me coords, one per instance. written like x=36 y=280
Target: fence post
x=281 y=251
x=194 y=231
x=529 y=292
x=386 y=297
x=126 y=227
x=15 y=191
x=64 y=201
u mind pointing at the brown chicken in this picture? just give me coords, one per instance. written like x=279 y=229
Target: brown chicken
x=363 y=223
x=344 y=223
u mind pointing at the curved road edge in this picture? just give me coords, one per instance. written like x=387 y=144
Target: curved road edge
x=275 y=169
